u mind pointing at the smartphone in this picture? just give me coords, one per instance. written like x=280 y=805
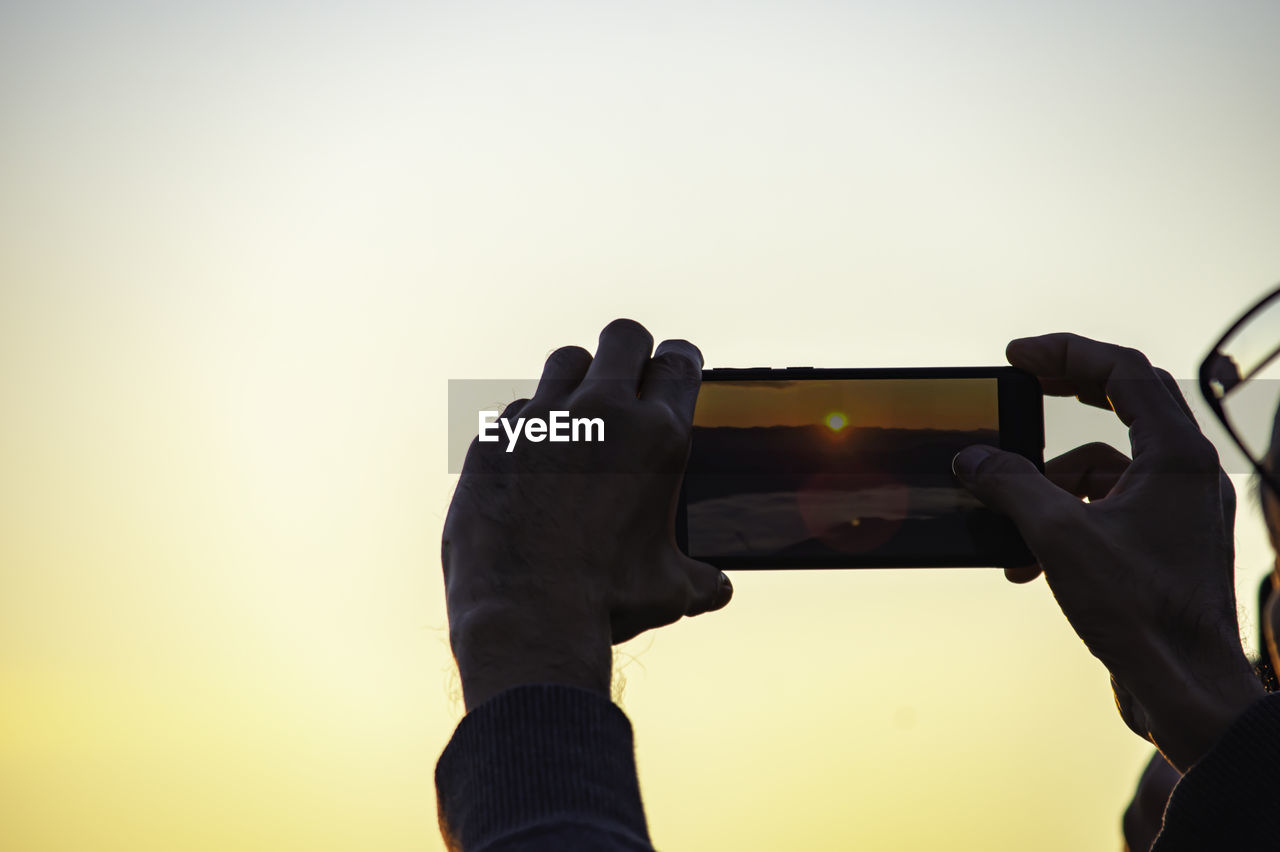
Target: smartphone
x=823 y=468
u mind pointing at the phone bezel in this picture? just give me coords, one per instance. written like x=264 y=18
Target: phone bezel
x=1020 y=403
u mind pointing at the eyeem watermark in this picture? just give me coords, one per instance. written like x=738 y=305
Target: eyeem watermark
x=558 y=427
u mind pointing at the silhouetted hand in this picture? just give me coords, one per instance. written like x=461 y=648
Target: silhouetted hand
x=554 y=551
x=1144 y=573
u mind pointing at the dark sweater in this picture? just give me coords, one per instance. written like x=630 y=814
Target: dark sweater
x=549 y=767
x=541 y=767
x=1231 y=798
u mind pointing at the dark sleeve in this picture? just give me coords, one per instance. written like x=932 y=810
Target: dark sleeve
x=541 y=767
x=1231 y=798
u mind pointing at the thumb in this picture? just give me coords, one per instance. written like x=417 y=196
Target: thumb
x=709 y=587
x=1010 y=484
x=1133 y=713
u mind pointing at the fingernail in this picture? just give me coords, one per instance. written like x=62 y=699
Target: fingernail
x=724 y=591
x=965 y=463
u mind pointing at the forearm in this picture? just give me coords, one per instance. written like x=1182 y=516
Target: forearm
x=541 y=767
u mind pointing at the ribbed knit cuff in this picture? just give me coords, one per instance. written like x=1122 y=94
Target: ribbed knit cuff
x=537 y=755
x=1232 y=795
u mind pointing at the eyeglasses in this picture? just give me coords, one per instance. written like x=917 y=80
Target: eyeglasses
x=1240 y=379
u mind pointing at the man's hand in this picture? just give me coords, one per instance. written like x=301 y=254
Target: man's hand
x=1145 y=570
x=554 y=551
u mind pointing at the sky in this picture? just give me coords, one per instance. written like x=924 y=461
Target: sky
x=244 y=248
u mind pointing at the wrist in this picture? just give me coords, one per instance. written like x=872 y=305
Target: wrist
x=1212 y=713
x=1195 y=705
x=501 y=646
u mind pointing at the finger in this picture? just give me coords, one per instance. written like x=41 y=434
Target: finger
x=1088 y=394
x=672 y=377
x=1123 y=376
x=709 y=587
x=684 y=587
x=1225 y=486
x=1133 y=713
x=1023 y=573
x=620 y=358
x=1171 y=385
x=564 y=371
x=1010 y=484
x=1092 y=394
x=1089 y=471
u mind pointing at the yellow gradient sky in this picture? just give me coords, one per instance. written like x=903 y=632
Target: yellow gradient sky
x=243 y=247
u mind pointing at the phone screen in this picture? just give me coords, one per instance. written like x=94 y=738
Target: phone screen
x=846 y=471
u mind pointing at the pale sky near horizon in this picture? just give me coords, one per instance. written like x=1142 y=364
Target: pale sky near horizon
x=243 y=247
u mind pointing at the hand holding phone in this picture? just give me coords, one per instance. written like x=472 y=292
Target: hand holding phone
x=1145 y=570
x=553 y=551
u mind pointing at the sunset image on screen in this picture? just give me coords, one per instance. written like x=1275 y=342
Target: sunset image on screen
x=823 y=468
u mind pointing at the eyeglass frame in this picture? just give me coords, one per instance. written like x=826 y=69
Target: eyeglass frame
x=1215 y=402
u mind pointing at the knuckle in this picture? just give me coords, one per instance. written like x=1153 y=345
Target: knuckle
x=1202 y=455
x=595 y=402
x=997 y=466
x=1191 y=453
x=1133 y=357
x=1128 y=366
x=1096 y=448
x=668 y=428
x=1194 y=453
